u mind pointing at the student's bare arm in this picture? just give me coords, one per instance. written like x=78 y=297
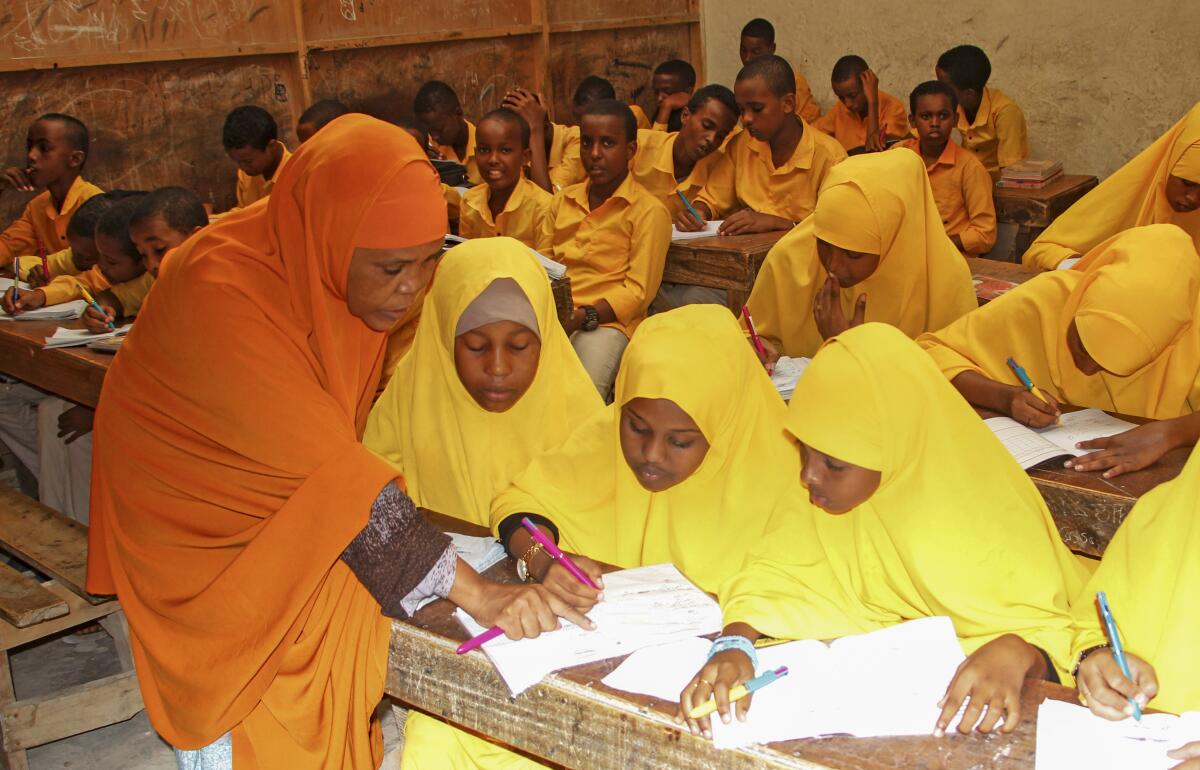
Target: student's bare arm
x=530 y=106
x=1017 y=403
x=603 y=310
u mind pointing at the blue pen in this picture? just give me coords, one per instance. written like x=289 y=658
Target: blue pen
x=16 y=279
x=695 y=213
x=1114 y=642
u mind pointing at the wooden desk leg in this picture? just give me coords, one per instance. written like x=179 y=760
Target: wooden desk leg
x=1026 y=235
x=13 y=760
x=118 y=628
x=735 y=298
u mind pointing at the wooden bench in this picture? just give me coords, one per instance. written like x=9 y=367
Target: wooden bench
x=56 y=546
x=727 y=262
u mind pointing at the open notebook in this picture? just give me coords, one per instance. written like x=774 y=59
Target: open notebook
x=70 y=338
x=886 y=682
x=1071 y=737
x=1032 y=447
x=556 y=270
x=642 y=607
x=711 y=229
x=787 y=374
x=65 y=311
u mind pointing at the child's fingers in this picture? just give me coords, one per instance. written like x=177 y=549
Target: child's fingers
x=1186 y=751
x=972 y=713
x=721 y=694
x=742 y=707
x=995 y=710
x=950 y=703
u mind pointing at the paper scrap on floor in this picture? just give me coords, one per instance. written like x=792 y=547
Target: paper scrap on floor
x=787 y=374
x=1070 y=737
x=642 y=607
x=886 y=682
x=711 y=229
x=69 y=338
x=66 y=311
x=1030 y=447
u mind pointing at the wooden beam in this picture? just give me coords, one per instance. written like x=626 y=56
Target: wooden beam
x=137 y=57
x=641 y=22
x=23 y=600
x=444 y=36
x=696 y=43
x=103 y=702
x=543 y=82
x=301 y=59
x=80 y=612
x=46 y=540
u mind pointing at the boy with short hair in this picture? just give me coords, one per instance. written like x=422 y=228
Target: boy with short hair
x=991 y=125
x=251 y=140
x=563 y=163
x=80 y=254
x=768 y=176
x=315 y=117
x=673 y=83
x=507 y=203
x=865 y=117
x=612 y=235
x=416 y=129
x=961 y=185
x=758 y=39
x=436 y=105
x=56 y=149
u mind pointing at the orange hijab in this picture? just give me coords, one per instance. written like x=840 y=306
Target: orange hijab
x=228 y=476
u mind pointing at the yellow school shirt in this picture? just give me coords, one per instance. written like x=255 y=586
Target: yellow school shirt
x=469 y=160
x=998 y=136
x=616 y=252
x=962 y=190
x=640 y=116
x=255 y=188
x=806 y=105
x=42 y=222
x=654 y=168
x=566 y=167
x=61 y=262
x=453 y=201
x=851 y=131
x=65 y=288
x=524 y=216
x=746 y=177
x=132 y=294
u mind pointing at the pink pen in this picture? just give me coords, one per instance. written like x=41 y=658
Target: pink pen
x=478 y=641
x=753 y=332
x=557 y=554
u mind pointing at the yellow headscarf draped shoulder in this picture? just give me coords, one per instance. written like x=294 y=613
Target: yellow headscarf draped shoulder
x=1134 y=299
x=696 y=357
x=955 y=528
x=877 y=204
x=455 y=455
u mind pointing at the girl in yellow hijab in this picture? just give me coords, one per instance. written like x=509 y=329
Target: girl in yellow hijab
x=1159 y=186
x=1151 y=575
x=913 y=509
x=1116 y=332
x=874 y=249
x=491 y=382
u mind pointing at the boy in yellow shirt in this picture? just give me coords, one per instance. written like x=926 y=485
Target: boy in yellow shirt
x=251 y=140
x=56 y=149
x=507 y=203
x=865 y=117
x=768 y=176
x=315 y=117
x=80 y=254
x=961 y=186
x=437 y=108
x=991 y=125
x=612 y=235
x=673 y=83
x=758 y=39
x=453 y=197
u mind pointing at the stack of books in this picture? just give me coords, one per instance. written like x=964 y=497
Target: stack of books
x=1030 y=174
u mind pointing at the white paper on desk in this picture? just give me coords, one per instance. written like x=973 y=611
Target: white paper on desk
x=642 y=607
x=886 y=682
x=1030 y=447
x=711 y=228
x=6 y=284
x=787 y=374
x=663 y=671
x=1070 y=737
x=65 y=311
x=69 y=338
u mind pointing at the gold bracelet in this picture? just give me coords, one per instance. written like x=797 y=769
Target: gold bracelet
x=525 y=563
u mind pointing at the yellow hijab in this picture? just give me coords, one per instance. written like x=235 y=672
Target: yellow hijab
x=1131 y=197
x=955 y=528
x=879 y=203
x=696 y=357
x=1151 y=574
x=455 y=455
x=1134 y=298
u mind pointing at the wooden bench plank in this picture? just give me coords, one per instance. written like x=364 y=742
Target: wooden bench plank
x=23 y=600
x=45 y=539
x=70 y=712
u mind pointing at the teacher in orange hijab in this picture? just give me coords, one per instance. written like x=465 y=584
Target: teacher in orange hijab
x=256 y=546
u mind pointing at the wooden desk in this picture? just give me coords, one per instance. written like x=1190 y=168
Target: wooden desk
x=728 y=262
x=1034 y=210
x=75 y=374
x=573 y=719
x=984 y=270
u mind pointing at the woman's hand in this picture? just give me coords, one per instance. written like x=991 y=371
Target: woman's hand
x=991 y=678
x=1028 y=409
x=1107 y=691
x=827 y=310
x=1189 y=752
x=716 y=678
x=561 y=583
x=1132 y=450
x=524 y=611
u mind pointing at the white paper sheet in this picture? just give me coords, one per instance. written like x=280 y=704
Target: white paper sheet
x=711 y=228
x=1030 y=447
x=65 y=311
x=1070 y=737
x=787 y=374
x=69 y=338
x=642 y=607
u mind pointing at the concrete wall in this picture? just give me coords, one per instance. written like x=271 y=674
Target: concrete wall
x=1098 y=79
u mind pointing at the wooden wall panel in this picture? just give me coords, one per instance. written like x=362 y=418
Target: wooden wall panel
x=151 y=124
x=329 y=21
x=631 y=11
x=627 y=57
x=48 y=33
x=382 y=82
